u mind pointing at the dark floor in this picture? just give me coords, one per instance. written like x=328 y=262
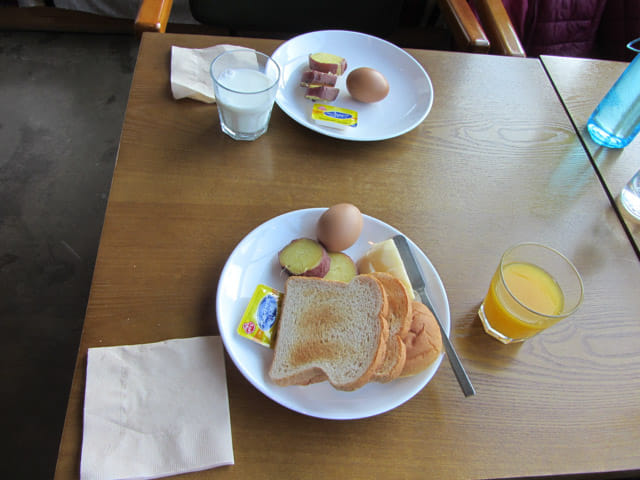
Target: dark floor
x=62 y=102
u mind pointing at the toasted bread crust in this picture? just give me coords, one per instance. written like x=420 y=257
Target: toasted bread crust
x=330 y=330
x=394 y=362
x=399 y=318
x=375 y=364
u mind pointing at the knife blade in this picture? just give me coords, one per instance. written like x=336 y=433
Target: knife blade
x=420 y=286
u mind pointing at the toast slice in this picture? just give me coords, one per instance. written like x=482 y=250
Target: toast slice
x=399 y=319
x=330 y=329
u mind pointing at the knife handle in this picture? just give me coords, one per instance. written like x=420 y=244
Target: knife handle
x=454 y=360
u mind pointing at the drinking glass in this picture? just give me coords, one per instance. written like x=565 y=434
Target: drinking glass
x=616 y=120
x=533 y=288
x=245 y=83
x=630 y=198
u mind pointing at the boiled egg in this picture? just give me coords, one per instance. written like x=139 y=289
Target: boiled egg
x=367 y=85
x=339 y=227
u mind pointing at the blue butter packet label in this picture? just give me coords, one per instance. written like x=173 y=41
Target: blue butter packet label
x=258 y=323
x=336 y=117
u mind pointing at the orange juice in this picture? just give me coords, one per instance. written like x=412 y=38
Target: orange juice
x=532 y=287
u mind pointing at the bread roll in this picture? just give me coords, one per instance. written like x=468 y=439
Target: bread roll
x=423 y=341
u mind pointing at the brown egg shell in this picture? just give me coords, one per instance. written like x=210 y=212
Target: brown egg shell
x=339 y=227
x=367 y=85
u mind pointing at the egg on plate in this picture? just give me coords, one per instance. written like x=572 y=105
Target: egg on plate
x=339 y=227
x=367 y=85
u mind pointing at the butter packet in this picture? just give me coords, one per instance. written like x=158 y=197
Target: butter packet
x=258 y=323
x=334 y=117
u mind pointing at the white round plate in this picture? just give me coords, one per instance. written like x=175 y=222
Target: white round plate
x=254 y=261
x=410 y=91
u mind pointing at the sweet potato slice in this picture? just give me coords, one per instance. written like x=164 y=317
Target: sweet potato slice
x=322 y=92
x=305 y=257
x=327 y=62
x=314 y=78
x=342 y=267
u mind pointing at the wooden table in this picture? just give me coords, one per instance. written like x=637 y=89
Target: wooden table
x=581 y=84
x=496 y=162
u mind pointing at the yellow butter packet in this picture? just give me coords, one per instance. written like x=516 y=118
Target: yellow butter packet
x=259 y=320
x=334 y=117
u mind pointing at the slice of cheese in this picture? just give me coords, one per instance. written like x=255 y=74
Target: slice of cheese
x=384 y=257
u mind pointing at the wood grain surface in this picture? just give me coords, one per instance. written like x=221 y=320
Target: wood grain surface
x=581 y=84
x=496 y=162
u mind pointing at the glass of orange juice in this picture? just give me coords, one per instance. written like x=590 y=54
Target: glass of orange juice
x=534 y=287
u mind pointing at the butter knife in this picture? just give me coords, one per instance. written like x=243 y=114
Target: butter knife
x=420 y=286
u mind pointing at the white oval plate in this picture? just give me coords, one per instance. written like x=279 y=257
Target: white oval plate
x=254 y=261
x=405 y=107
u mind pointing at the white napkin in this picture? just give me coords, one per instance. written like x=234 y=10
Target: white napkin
x=190 y=75
x=155 y=410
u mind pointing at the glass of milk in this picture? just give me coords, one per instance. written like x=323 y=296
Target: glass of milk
x=245 y=84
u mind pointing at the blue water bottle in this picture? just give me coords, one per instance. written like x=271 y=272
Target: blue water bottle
x=616 y=120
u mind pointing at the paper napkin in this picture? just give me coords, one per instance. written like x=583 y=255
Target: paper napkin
x=155 y=410
x=190 y=75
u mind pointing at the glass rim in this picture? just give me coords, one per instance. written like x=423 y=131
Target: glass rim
x=561 y=255
x=631 y=46
x=238 y=50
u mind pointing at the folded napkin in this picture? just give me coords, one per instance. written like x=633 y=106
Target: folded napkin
x=190 y=75
x=155 y=410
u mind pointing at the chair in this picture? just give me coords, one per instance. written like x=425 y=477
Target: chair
x=502 y=35
x=153 y=16
x=468 y=34
x=283 y=19
x=495 y=23
x=403 y=22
